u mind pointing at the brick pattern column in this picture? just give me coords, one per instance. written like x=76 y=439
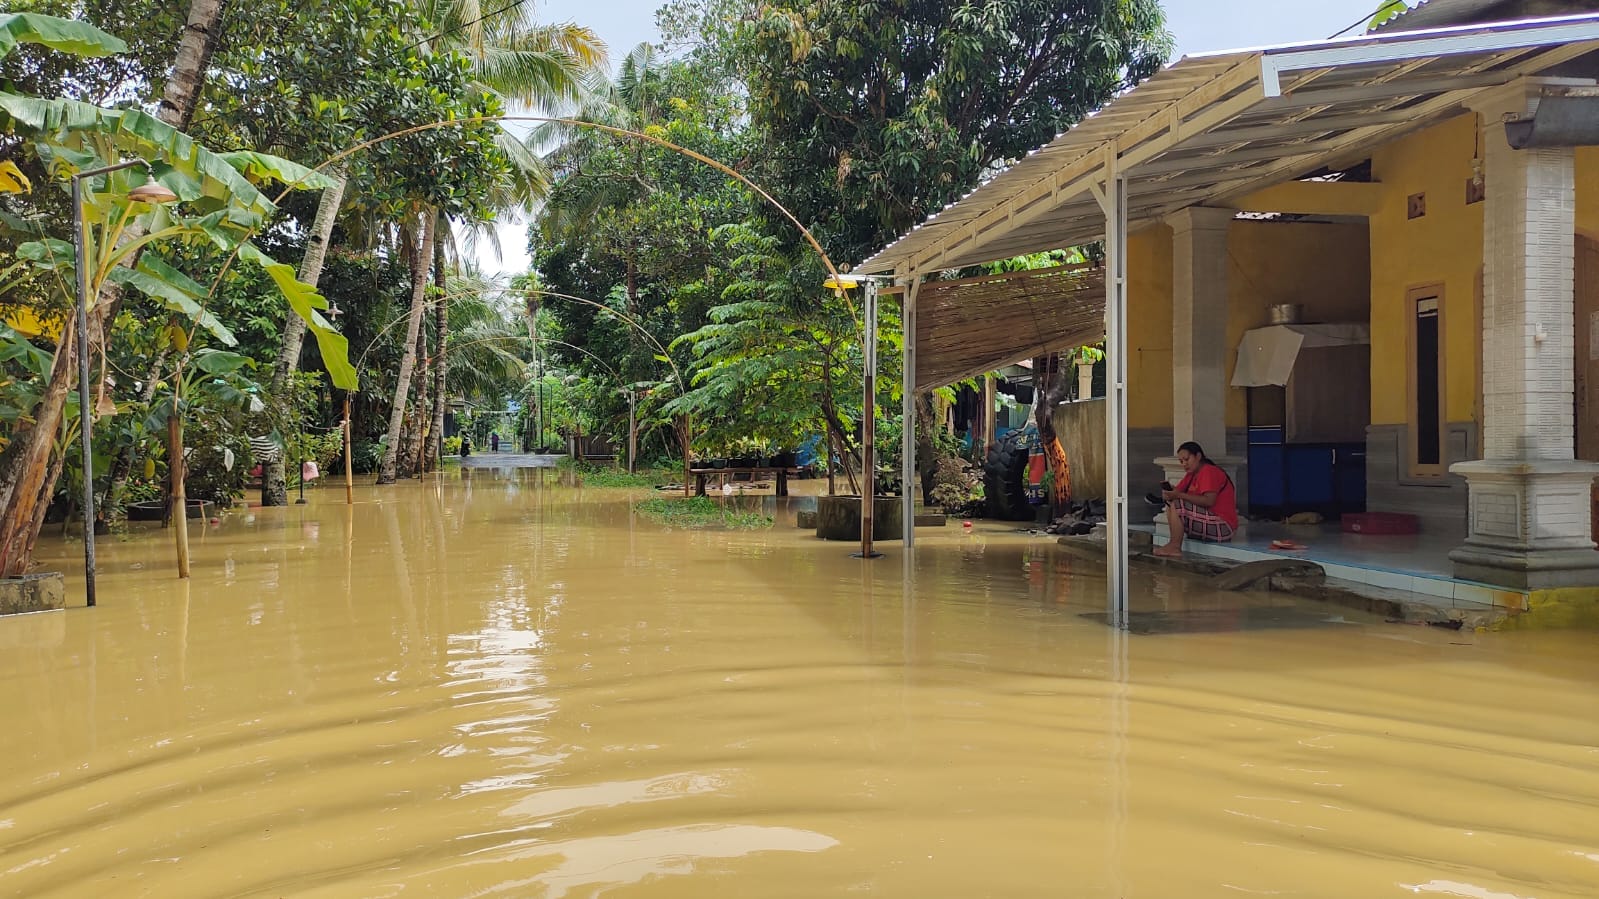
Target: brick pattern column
x=1528 y=330
x=1529 y=499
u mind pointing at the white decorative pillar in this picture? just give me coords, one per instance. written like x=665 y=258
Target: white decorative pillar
x=1199 y=334
x=1529 y=498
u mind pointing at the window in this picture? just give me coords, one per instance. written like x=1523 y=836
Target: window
x=1428 y=429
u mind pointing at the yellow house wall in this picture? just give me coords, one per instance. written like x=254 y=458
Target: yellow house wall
x=1588 y=191
x=1320 y=266
x=1444 y=246
x=1149 y=298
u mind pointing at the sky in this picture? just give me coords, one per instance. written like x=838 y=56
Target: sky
x=1197 y=25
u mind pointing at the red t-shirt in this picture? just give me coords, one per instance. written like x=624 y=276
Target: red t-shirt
x=1211 y=479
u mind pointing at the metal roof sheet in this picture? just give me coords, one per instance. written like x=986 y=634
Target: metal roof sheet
x=1219 y=125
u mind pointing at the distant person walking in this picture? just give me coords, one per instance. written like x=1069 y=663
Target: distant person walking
x=466 y=446
x=1204 y=506
x=494 y=442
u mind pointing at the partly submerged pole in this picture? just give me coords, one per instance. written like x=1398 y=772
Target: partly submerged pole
x=85 y=411
x=907 y=454
x=349 y=462
x=176 y=466
x=632 y=431
x=1113 y=202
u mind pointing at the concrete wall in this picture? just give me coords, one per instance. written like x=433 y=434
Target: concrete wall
x=1440 y=503
x=1081 y=428
x=1144 y=445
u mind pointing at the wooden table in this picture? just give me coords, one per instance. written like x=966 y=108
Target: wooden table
x=702 y=474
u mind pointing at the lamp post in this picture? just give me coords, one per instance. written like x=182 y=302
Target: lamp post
x=150 y=192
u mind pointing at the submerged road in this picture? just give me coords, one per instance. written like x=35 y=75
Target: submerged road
x=493 y=459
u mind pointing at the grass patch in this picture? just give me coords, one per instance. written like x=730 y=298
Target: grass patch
x=594 y=474
x=700 y=512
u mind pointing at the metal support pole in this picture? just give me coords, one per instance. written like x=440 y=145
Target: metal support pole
x=349 y=461
x=632 y=431
x=868 y=422
x=85 y=409
x=1113 y=201
x=908 y=406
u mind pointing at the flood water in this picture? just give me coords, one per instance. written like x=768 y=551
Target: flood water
x=496 y=685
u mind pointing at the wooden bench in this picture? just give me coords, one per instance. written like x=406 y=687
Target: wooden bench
x=701 y=475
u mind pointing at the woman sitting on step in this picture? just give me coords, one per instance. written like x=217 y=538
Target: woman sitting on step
x=1203 y=506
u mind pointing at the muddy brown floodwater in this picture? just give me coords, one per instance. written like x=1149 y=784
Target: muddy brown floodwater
x=495 y=684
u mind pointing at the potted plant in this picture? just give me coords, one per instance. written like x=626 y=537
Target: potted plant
x=1087 y=358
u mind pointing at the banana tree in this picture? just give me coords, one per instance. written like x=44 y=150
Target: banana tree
x=220 y=208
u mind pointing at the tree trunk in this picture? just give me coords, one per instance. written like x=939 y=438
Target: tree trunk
x=27 y=476
x=387 y=471
x=199 y=41
x=441 y=365
x=1053 y=386
x=926 y=445
x=422 y=409
x=25 y=465
x=274 y=478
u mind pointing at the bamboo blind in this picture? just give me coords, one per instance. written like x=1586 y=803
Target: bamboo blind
x=975 y=325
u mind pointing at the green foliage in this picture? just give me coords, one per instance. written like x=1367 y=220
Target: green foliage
x=873 y=116
x=219 y=459
x=77 y=38
x=590 y=474
x=1386 y=10
x=699 y=513
x=957 y=486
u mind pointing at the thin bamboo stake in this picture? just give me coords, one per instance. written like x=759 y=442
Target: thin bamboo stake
x=180 y=499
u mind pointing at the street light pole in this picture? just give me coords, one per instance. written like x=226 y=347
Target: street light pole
x=869 y=424
x=153 y=193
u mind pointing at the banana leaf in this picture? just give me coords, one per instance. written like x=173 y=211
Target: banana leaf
x=305 y=301
x=66 y=35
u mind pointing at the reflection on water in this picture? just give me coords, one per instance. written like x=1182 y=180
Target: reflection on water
x=499 y=683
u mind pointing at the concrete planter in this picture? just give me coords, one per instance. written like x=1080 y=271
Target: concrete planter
x=32 y=593
x=839 y=518
x=155 y=510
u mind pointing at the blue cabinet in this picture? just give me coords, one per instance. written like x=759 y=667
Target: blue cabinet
x=1285 y=478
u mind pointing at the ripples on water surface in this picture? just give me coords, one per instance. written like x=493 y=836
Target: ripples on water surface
x=500 y=687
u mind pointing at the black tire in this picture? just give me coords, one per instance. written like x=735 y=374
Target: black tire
x=1004 y=481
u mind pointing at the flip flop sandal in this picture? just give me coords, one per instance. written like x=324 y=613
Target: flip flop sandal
x=1287 y=545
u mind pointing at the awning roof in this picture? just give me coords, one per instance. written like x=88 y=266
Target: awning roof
x=1216 y=126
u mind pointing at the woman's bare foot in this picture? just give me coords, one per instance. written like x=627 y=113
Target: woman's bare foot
x=1169 y=551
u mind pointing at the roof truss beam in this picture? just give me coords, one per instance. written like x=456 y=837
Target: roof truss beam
x=1441 y=43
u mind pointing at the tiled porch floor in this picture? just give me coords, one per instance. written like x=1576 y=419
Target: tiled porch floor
x=1417 y=564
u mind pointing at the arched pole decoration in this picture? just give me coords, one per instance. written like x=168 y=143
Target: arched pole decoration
x=685 y=427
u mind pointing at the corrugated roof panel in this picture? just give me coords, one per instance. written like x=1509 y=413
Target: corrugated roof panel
x=1221 y=135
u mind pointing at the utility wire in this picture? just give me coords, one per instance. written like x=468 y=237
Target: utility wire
x=506 y=8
